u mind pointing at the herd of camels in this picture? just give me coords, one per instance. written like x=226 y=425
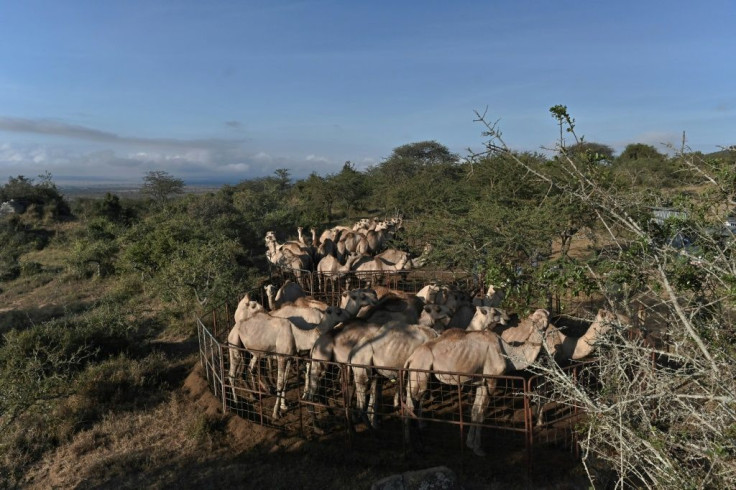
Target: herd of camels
x=379 y=332
x=343 y=250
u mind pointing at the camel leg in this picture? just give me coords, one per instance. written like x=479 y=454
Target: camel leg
x=307 y=368
x=415 y=389
x=280 y=403
x=371 y=410
x=252 y=368
x=284 y=406
x=375 y=403
x=361 y=381
x=314 y=374
x=235 y=371
x=479 y=405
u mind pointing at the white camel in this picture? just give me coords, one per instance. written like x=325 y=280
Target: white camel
x=376 y=237
x=565 y=347
x=247 y=308
x=391 y=307
x=296 y=247
x=330 y=269
x=485 y=318
x=384 y=355
x=428 y=293
x=372 y=269
x=435 y=316
x=263 y=333
x=297 y=262
x=334 y=347
x=289 y=292
x=476 y=353
x=493 y=297
x=393 y=256
x=284 y=296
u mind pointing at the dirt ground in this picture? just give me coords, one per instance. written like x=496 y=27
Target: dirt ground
x=187 y=442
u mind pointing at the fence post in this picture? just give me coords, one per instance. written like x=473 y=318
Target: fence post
x=223 y=394
x=460 y=411
x=528 y=424
x=345 y=381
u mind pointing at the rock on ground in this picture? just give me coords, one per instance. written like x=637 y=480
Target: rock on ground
x=437 y=478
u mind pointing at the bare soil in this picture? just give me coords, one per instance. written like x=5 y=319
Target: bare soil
x=187 y=442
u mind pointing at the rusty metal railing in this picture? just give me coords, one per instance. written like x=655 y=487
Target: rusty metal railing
x=446 y=407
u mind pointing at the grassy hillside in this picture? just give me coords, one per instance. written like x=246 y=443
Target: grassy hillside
x=98 y=354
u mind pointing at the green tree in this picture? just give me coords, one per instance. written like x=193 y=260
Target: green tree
x=43 y=198
x=160 y=185
x=390 y=180
x=349 y=186
x=665 y=421
x=597 y=152
x=640 y=151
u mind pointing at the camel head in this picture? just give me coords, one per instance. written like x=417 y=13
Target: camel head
x=355 y=299
x=540 y=319
x=247 y=308
x=449 y=297
x=435 y=316
x=362 y=224
x=333 y=316
x=486 y=318
x=381 y=225
x=606 y=319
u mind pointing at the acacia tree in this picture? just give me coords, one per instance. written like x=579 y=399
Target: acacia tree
x=671 y=422
x=159 y=185
x=349 y=187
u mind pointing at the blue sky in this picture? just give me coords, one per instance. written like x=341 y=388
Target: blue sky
x=221 y=91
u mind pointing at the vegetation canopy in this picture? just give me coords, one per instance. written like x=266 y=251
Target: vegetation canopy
x=92 y=289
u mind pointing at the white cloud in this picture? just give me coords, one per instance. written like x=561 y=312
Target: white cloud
x=262 y=157
x=317 y=159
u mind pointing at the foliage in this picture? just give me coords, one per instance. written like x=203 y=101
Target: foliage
x=652 y=424
x=640 y=151
x=391 y=179
x=42 y=200
x=160 y=185
x=510 y=218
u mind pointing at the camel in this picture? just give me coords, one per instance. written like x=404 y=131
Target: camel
x=307 y=313
x=385 y=354
x=328 y=245
x=472 y=352
x=352 y=242
x=289 y=292
x=435 y=316
x=373 y=268
x=428 y=293
x=247 y=308
x=263 y=333
x=564 y=348
x=307 y=317
x=329 y=268
x=295 y=247
x=376 y=237
x=462 y=315
x=300 y=236
x=277 y=300
x=486 y=317
x=493 y=297
x=287 y=259
x=392 y=307
x=335 y=346
x=434 y=293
